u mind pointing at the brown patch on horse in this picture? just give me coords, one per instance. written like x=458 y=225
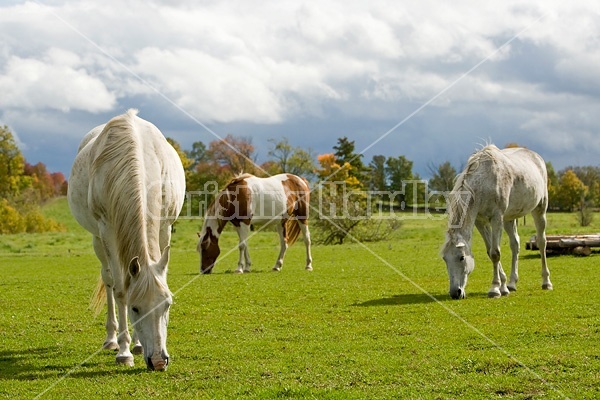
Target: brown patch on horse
x=298 y=198
x=234 y=201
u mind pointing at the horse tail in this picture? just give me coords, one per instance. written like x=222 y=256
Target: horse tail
x=98 y=297
x=292 y=230
x=300 y=211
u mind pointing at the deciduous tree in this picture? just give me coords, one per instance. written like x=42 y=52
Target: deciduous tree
x=571 y=191
x=442 y=178
x=12 y=165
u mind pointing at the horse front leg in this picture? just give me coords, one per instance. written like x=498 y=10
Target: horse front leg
x=498 y=287
x=124 y=355
x=511 y=230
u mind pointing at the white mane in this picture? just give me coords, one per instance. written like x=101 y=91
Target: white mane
x=119 y=151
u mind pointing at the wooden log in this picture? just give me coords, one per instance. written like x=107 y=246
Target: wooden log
x=562 y=243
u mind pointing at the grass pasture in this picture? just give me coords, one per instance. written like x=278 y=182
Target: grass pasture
x=371 y=321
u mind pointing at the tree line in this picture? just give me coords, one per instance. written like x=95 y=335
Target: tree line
x=23 y=186
x=569 y=189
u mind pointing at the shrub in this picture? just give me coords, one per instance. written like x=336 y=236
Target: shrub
x=30 y=220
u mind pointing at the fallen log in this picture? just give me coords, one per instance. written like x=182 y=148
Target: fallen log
x=574 y=244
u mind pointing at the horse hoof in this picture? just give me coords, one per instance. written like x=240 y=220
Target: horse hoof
x=125 y=360
x=276 y=269
x=309 y=268
x=504 y=294
x=494 y=295
x=547 y=286
x=512 y=288
x=110 y=346
x=137 y=349
x=239 y=271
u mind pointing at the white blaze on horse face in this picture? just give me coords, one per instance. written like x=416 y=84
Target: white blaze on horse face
x=150 y=322
x=208 y=247
x=149 y=304
x=459 y=263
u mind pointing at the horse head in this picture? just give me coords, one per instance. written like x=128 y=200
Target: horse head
x=208 y=247
x=149 y=300
x=459 y=263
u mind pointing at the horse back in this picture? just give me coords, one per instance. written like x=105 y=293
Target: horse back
x=529 y=182
x=278 y=196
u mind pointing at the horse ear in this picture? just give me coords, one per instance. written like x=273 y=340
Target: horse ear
x=134 y=266
x=164 y=258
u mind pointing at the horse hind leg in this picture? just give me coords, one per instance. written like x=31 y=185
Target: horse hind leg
x=244 y=262
x=511 y=230
x=539 y=218
x=110 y=343
x=137 y=346
x=282 y=246
x=306 y=238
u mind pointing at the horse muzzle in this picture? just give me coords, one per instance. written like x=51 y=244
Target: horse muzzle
x=157 y=363
x=458 y=294
x=207 y=270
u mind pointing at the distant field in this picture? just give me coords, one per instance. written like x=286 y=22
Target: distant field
x=371 y=321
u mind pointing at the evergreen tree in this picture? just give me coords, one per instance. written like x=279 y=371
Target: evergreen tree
x=345 y=153
x=378 y=176
x=400 y=177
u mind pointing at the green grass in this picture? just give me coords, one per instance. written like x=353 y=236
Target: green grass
x=361 y=325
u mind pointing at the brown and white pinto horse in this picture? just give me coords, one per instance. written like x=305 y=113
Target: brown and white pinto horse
x=281 y=200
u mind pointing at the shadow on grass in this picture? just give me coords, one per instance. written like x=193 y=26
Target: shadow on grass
x=230 y=272
x=39 y=363
x=415 y=298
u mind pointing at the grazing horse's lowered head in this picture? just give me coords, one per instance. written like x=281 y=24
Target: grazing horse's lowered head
x=208 y=247
x=149 y=301
x=459 y=263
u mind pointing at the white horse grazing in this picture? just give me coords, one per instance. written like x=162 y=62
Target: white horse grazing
x=281 y=199
x=127 y=188
x=496 y=187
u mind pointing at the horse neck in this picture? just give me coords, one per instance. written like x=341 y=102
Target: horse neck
x=462 y=211
x=213 y=218
x=134 y=232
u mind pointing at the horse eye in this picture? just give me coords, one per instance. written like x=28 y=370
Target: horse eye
x=135 y=310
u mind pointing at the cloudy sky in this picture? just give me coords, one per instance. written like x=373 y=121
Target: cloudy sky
x=431 y=80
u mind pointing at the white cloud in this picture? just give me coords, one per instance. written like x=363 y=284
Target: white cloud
x=55 y=81
x=278 y=61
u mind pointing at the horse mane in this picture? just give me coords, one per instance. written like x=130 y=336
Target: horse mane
x=463 y=195
x=238 y=178
x=118 y=149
